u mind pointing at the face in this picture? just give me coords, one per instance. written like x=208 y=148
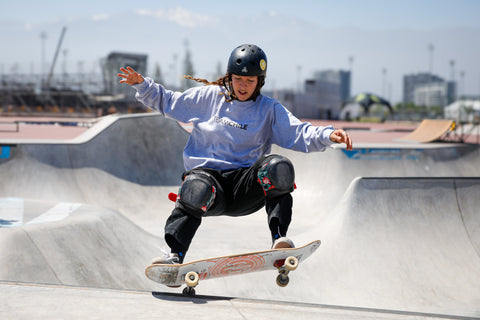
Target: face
x=244 y=86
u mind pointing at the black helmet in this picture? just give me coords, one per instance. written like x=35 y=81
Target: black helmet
x=247 y=60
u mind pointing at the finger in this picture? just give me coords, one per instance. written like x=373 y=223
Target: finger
x=123 y=70
x=345 y=138
x=349 y=143
x=130 y=69
x=334 y=137
x=342 y=136
x=122 y=75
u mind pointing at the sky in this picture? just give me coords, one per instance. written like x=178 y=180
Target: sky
x=378 y=40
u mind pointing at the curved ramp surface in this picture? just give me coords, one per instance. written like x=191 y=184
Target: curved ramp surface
x=132 y=148
x=73 y=244
x=407 y=243
x=129 y=163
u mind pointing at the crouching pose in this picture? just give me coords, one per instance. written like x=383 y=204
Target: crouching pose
x=229 y=168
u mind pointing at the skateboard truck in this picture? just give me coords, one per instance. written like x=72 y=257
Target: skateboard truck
x=290 y=264
x=191 y=280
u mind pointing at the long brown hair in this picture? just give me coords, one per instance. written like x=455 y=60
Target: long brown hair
x=226 y=82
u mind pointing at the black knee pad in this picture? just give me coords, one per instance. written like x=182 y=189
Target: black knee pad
x=276 y=176
x=197 y=193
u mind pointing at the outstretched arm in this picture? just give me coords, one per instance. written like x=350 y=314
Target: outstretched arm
x=340 y=136
x=130 y=76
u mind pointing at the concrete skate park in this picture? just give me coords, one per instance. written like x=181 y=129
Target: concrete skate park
x=82 y=216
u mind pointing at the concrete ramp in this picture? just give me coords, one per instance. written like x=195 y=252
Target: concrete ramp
x=129 y=163
x=132 y=148
x=72 y=244
x=406 y=243
x=324 y=177
x=392 y=246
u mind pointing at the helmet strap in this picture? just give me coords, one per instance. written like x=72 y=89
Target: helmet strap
x=227 y=84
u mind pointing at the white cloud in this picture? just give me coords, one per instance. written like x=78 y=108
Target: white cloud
x=180 y=16
x=272 y=13
x=100 y=17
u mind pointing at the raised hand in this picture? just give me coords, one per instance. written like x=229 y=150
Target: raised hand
x=340 y=136
x=130 y=76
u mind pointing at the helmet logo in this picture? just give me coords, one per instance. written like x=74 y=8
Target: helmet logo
x=245 y=70
x=263 y=64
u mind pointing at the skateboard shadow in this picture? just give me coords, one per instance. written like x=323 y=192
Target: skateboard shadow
x=178 y=297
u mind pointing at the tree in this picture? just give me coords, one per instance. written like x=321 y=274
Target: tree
x=188 y=69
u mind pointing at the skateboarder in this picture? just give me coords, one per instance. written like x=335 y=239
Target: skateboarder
x=229 y=168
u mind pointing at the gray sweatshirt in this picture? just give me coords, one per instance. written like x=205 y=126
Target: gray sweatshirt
x=231 y=135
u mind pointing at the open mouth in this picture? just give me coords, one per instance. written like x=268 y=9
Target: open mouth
x=241 y=93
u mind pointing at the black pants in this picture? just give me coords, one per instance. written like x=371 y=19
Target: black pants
x=238 y=193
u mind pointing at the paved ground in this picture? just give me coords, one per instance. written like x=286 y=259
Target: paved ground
x=81 y=219
x=66 y=302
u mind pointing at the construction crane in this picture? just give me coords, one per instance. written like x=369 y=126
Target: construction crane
x=59 y=45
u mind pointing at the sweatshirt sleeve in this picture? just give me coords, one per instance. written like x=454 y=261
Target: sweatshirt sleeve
x=181 y=106
x=290 y=133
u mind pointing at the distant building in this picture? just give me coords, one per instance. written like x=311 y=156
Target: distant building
x=304 y=105
x=426 y=89
x=111 y=66
x=434 y=94
x=322 y=97
x=339 y=77
x=321 y=100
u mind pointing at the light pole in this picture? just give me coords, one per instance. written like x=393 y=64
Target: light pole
x=350 y=62
x=452 y=81
x=431 y=48
x=43 y=37
x=384 y=82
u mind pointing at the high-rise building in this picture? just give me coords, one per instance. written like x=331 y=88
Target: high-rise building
x=428 y=89
x=438 y=94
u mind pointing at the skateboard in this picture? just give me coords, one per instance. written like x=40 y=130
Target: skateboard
x=191 y=273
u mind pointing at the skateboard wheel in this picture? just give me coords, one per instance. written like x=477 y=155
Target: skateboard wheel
x=191 y=279
x=291 y=263
x=282 y=280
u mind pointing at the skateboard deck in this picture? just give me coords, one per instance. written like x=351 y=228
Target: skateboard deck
x=283 y=260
